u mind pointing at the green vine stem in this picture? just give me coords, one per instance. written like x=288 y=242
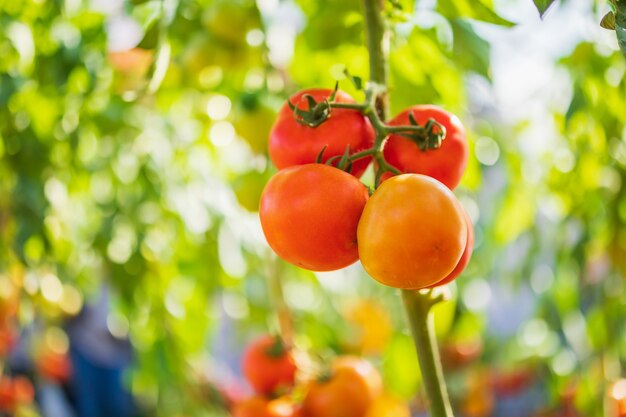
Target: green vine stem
x=418 y=308
x=277 y=299
x=417 y=304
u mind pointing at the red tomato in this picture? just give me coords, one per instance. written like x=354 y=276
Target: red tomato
x=353 y=385
x=7 y=395
x=507 y=383
x=291 y=143
x=23 y=390
x=54 y=366
x=446 y=164
x=465 y=258
x=412 y=232
x=310 y=215
x=268 y=365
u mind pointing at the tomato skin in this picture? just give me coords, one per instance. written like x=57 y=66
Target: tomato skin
x=261 y=407
x=291 y=143
x=54 y=366
x=265 y=372
x=310 y=213
x=465 y=258
x=388 y=406
x=372 y=325
x=353 y=386
x=412 y=232
x=446 y=164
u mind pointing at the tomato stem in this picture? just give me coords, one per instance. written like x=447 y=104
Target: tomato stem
x=418 y=308
x=277 y=299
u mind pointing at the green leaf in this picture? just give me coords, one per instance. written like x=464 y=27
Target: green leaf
x=470 y=50
x=543 y=6
x=608 y=21
x=472 y=9
x=151 y=37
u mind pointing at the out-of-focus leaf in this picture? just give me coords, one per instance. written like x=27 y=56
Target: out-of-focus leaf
x=151 y=37
x=469 y=49
x=543 y=6
x=515 y=216
x=399 y=10
x=608 y=21
x=472 y=9
x=401 y=370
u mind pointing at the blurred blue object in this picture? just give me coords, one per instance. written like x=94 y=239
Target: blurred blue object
x=53 y=401
x=99 y=360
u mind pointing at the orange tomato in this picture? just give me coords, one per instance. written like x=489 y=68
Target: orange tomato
x=412 y=232
x=446 y=163
x=23 y=390
x=465 y=258
x=310 y=213
x=372 y=324
x=388 y=406
x=261 y=407
x=349 y=391
x=134 y=61
x=268 y=365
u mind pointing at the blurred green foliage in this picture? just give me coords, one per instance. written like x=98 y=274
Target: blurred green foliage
x=142 y=168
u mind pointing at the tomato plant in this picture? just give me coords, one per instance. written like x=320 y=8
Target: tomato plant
x=310 y=215
x=446 y=163
x=347 y=391
x=268 y=365
x=292 y=143
x=412 y=232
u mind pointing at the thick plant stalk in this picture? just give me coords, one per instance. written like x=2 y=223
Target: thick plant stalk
x=377 y=46
x=417 y=304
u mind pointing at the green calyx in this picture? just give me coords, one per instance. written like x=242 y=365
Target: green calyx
x=430 y=136
x=277 y=349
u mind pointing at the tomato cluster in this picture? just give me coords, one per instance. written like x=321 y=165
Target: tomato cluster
x=412 y=233
x=349 y=387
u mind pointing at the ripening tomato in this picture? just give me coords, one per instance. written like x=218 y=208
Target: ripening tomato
x=465 y=258
x=135 y=61
x=388 y=406
x=248 y=188
x=310 y=215
x=348 y=391
x=23 y=390
x=372 y=326
x=446 y=164
x=230 y=20
x=253 y=123
x=261 y=407
x=268 y=365
x=54 y=366
x=291 y=143
x=7 y=395
x=412 y=232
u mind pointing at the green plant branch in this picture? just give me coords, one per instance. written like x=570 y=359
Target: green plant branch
x=418 y=308
x=417 y=304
